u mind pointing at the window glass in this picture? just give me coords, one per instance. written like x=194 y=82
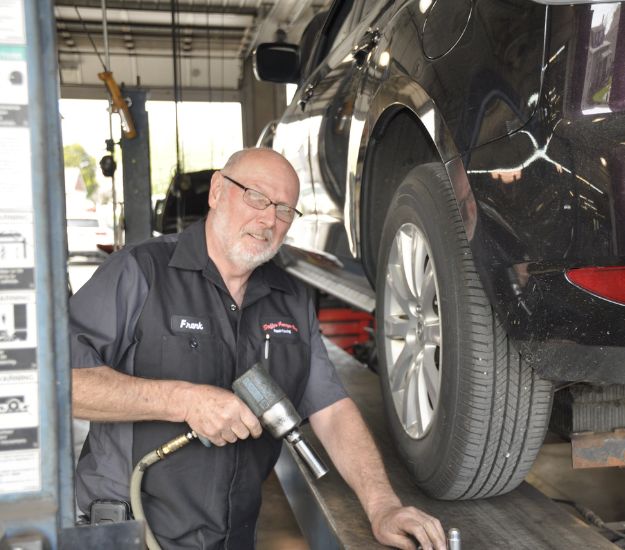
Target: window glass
x=365 y=7
x=340 y=25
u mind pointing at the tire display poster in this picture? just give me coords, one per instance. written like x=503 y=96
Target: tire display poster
x=20 y=456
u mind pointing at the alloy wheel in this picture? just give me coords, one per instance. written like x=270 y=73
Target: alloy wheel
x=412 y=330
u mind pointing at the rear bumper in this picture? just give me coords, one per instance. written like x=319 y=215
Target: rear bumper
x=567 y=334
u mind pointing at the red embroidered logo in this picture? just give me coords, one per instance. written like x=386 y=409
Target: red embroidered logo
x=280 y=327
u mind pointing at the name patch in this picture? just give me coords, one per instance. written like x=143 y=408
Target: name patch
x=280 y=328
x=185 y=323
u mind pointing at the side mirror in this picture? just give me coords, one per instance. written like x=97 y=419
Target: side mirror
x=277 y=62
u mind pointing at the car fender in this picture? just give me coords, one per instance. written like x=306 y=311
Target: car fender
x=395 y=93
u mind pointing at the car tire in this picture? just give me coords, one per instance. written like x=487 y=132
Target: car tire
x=467 y=414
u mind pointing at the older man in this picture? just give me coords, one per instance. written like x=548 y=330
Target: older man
x=160 y=333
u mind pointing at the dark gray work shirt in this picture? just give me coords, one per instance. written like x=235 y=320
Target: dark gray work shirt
x=161 y=310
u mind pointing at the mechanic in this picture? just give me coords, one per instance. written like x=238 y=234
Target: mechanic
x=159 y=334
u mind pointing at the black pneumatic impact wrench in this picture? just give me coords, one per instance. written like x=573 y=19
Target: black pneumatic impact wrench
x=276 y=413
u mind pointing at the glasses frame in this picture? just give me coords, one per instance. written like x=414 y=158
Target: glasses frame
x=270 y=202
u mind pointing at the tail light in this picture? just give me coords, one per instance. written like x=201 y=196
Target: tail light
x=605 y=282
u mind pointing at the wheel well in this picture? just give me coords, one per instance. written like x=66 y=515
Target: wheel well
x=398 y=143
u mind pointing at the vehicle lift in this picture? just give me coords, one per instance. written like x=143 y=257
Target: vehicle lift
x=331 y=517
x=37 y=502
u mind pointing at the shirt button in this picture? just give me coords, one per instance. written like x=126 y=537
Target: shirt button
x=193 y=343
x=233 y=307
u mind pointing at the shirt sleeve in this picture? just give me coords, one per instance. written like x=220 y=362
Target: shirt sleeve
x=103 y=314
x=324 y=386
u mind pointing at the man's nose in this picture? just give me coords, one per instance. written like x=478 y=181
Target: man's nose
x=268 y=216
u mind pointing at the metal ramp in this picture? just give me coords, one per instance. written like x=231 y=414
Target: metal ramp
x=330 y=515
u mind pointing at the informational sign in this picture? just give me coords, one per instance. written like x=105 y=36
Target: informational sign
x=20 y=456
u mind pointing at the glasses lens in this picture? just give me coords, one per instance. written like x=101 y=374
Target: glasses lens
x=285 y=213
x=255 y=199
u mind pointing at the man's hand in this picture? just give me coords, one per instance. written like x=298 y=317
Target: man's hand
x=219 y=415
x=393 y=526
x=343 y=433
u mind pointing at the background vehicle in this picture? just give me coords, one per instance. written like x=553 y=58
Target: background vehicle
x=85 y=233
x=462 y=166
x=185 y=202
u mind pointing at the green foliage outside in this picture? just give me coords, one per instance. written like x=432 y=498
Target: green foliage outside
x=76 y=156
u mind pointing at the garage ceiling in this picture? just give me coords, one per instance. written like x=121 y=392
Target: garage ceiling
x=212 y=38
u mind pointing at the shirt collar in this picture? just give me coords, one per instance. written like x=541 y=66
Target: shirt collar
x=191 y=253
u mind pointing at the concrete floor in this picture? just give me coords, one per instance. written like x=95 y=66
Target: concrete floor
x=600 y=489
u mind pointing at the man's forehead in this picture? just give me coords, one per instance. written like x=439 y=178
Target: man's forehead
x=254 y=160
x=267 y=174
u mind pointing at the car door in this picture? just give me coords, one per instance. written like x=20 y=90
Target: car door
x=327 y=98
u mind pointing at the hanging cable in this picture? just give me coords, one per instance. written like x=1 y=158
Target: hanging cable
x=223 y=50
x=117 y=104
x=210 y=84
x=110 y=143
x=105 y=33
x=175 y=54
x=178 y=175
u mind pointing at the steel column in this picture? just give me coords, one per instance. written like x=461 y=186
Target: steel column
x=137 y=182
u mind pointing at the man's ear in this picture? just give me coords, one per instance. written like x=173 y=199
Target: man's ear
x=215 y=189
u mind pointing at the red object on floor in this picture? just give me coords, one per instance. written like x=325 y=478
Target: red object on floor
x=346 y=327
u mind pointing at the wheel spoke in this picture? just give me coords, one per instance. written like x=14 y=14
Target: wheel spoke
x=406 y=258
x=401 y=367
x=433 y=332
x=431 y=375
x=420 y=253
x=429 y=290
x=399 y=289
x=396 y=327
x=411 y=416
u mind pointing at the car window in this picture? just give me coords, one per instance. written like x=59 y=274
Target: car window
x=362 y=16
x=310 y=38
x=359 y=12
x=336 y=27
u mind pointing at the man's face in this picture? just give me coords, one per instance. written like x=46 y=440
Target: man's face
x=250 y=237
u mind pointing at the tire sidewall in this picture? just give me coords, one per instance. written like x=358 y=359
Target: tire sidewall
x=420 y=200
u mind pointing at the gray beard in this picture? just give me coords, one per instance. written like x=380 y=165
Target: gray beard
x=234 y=248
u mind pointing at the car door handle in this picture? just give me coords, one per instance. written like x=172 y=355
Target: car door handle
x=306 y=95
x=365 y=45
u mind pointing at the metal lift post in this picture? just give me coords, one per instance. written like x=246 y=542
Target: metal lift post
x=37 y=506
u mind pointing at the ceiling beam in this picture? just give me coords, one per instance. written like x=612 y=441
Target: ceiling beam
x=143 y=5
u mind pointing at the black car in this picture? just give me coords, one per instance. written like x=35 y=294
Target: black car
x=462 y=168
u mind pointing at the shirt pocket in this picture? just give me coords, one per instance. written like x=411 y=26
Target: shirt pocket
x=196 y=358
x=289 y=365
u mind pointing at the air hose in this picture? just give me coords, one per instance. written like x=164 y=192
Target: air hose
x=137 y=477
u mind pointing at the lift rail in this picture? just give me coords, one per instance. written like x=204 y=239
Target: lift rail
x=331 y=517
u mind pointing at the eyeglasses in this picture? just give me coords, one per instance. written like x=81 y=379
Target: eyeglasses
x=257 y=200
